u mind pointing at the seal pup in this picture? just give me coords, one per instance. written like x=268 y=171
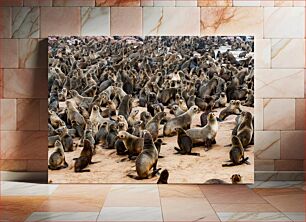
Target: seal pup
x=232 y=109
x=184 y=142
x=206 y=134
x=57 y=159
x=153 y=125
x=236 y=153
x=163 y=178
x=147 y=159
x=133 y=144
x=85 y=157
x=182 y=121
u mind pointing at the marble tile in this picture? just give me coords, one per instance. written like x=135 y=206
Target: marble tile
x=279 y=114
x=267 y=3
x=186 y=3
x=300 y=114
x=273 y=83
x=289 y=165
x=32 y=53
x=292 y=145
x=262 y=53
x=221 y=3
x=279 y=176
x=8 y=114
x=277 y=184
x=9 y=53
x=37 y=2
x=5 y=22
x=263 y=165
x=26 y=189
x=130 y=214
x=278 y=3
x=24 y=145
x=285 y=200
x=124 y=3
x=253 y=216
x=230 y=194
x=25 y=83
x=267 y=145
x=18 y=208
x=183 y=191
x=43 y=114
x=13 y=165
x=146 y=2
x=51 y=17
x=232 y=21
x=258 y=111
x=28 y=114
x=37 y=165
x=295 y=216
x=71 y=204
x=262 y=207
x=278 y=19
x=91 y=191
x=299 y=3
x=305 y=83
x=73 y=3
x=63 y=216
x=284 y=49
x=159 y=21
x=5 y=3
x=95 y=21
x=162 y=3
x=25 y=22
x=126 y=21
x=128 y=196
x=246 y=3
x=187 y=209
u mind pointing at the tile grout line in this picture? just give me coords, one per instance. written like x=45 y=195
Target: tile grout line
x=160 y=203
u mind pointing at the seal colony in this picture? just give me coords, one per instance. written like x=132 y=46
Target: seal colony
x=151 y=110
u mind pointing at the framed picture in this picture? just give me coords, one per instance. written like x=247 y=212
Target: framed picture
x=158 y=109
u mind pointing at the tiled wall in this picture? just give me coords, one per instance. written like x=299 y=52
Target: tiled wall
x=279 y=27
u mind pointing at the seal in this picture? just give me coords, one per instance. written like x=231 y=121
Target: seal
x=133 y=144
x=57 y=159
x=154 y=124
x=184 y=142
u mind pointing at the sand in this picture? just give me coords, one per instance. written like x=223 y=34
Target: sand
x=182 y=168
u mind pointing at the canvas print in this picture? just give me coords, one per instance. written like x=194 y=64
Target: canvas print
x=158 y=109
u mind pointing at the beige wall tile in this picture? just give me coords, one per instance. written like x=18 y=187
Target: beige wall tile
x=284 y=22
x=266 y=2
x=8 y=114
x=299 y=3
x=13 y=165
x=289 y=165
x=95 y=21
x=246 y=3
x=279 y=114
x=24 y=145
x=73 y=2
x=118 y=3
x=52 y=21
x=32 y=53
x=126 y=21
x=279 y=83
x=280 y=3
x=4 y=3
x=232 y=21
x=159 y=21
x=146 y=2
x=8 y=53
x=264 y=165
x=43 y=114
x=162 y=3
x=219 y=3
x=262 y=53
x=292 y=145
x=5 y=22
x=37 y=165
x=25 y=22
x=288 y=53
x=28 y=114
x=258 y=112
x=25 y=83
x=300 y=114
x=37 y=2
x=267 y=145
x=186 y=3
